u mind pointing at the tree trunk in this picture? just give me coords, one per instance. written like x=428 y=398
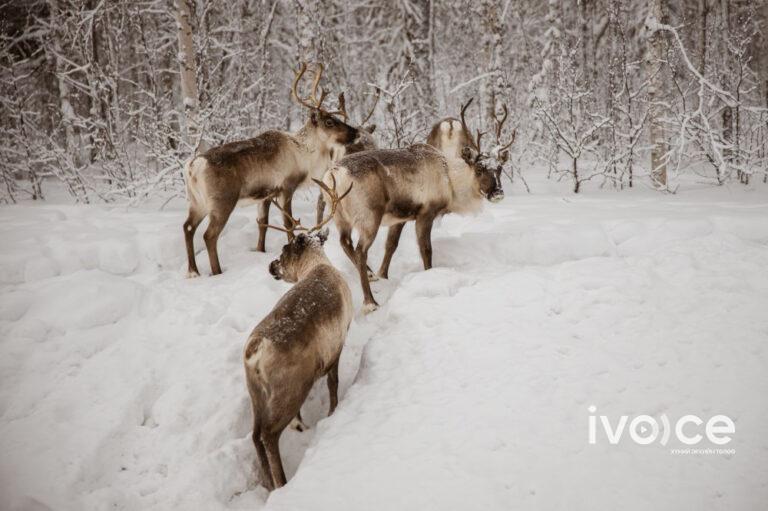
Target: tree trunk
x=727 y=115
x=653 y=63
x=703 y=15
x=494 y=85
x=188 y=76
x=418 y=33
x=65 y=97
x=575 y=170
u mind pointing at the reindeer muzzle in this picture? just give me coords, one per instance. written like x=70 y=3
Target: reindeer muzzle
x=353 y=135
x=496 y=196
x=274 y=269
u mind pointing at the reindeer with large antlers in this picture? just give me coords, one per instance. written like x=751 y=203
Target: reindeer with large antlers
x=419 y=183
x=299 y=341
x=273 y=163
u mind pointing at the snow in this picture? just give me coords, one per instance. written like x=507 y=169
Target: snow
x=121 y=382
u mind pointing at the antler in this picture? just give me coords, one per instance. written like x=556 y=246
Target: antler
x=316 y=103
x=342 y=107
x=464 y=109
x=373 y=108
x=511 y=141
x=500 y=126
x=296 y=224
x=477 y=139
x=335 y=199
x=500 y=122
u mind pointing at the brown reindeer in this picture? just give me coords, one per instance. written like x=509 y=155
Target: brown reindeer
x=274 y=162
x=418 y=183
x=298 y=342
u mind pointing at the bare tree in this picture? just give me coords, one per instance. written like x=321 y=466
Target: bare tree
x=109 y=98
x=654 y=60
x=188 y=75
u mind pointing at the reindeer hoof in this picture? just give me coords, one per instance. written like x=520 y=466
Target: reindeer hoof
x=192 y=274
x=298 y=425
x=370 y=307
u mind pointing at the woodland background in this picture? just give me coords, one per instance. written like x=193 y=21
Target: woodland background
x=110 y=97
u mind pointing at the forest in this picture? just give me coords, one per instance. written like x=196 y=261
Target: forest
x=110 y=97
x=570 y=315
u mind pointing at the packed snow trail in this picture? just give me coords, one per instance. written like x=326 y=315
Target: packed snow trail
x=121 y=384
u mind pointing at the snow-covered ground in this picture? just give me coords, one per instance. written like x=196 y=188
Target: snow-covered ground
x=121 y=382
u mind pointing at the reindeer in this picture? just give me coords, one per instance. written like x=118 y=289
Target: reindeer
x=252 y=170
x=418 y=183
x=298 y=342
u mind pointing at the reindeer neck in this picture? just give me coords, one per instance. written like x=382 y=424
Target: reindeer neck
x=317 y=155
x=311 y=260
x=465 y=197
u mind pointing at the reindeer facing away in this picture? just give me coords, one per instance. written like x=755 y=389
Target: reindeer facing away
x=298 y=342
x=274 y=162
x=394 y=186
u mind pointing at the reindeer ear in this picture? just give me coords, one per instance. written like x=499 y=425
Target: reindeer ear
x=322 y=235
x=468 y=154
x=313 y=117
x=504 y=156
x=371 y=128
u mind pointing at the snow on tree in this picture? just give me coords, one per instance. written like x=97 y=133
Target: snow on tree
x=110 y=98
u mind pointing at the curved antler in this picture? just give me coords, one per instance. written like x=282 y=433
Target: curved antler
x=373 y=108
x=316 y=103
x=296 y=224
x=511 y=141
x=477 y=139
x=499 y=127
x=500 y=122
x=342 y=107
x=335 y=199
x=464 y=109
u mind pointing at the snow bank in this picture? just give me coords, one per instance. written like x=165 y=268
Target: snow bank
x=121 y=382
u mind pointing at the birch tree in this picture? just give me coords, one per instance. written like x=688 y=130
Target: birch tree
x=654 y=60
x=107 y=99
x=188 y=76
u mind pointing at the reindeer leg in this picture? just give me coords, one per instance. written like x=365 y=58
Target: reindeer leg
x=287 y=199
x=298 y=423
x=333 y=386
x=361 y=254
x=263 y=220
x=320 y=207
x=424 y=237
x=218 y=219
x=190 y=226
x=393 y=237
x=345 y=237
x=261 y=453
x=272 y=445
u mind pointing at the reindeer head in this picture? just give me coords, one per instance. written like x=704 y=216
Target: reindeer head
x=326 y=124
x=487 y=166
x=297 y=253
x=365 y=140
